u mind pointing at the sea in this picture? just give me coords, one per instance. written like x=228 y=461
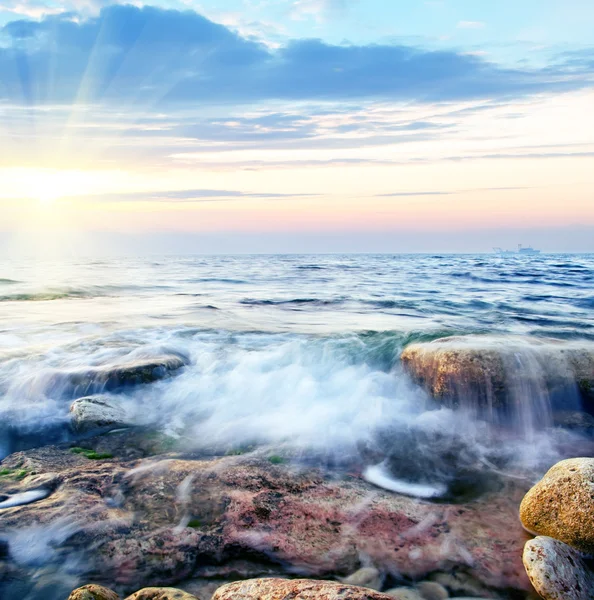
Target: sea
x=285 y=349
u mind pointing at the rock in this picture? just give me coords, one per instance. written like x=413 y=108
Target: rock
x=296 y=589
x=96 y=380
x=96 y=412
x=430 y=590
x=368 y=577
x=93 y=592
x=561 y=505
x=489 y=374
x=161 y=593
x=460 y=583
x=164 y=520
x=404 y=593
x=557 y=571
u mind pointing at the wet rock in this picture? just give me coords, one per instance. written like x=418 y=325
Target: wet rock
x=430 y=590
x=492 y=375
x=557 y=571
x=368 y=577
x=95 y=380
x=93 y=592
x=561 y=505
x=164 y=520
x=296 y=589
x=404 y=593
x=156 y=593
x=97 y=412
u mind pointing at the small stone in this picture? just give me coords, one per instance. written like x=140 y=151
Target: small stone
x=430 y=590
x=93 y=592
x=368 y=577
x=404 y=593
x=557 y=571
x=161 y=593
x=561 y=504
x=460 y=583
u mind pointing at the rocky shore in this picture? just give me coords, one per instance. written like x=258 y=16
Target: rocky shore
x=128 y=507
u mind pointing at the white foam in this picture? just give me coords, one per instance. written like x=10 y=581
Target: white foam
x=378 y=475
x=25 y=498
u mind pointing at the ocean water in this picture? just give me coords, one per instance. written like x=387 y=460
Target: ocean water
x=286 y=350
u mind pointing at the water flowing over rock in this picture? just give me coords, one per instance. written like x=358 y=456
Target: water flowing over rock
x=514 y=380
x=296 y=589
x=95 y=380
x=164 y=520
x=561 y=505
x=557 y=571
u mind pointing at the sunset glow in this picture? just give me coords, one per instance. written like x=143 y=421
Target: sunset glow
x=512 y=139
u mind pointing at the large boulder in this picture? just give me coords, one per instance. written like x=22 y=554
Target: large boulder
x=294 y=589
x=163 y=520
x=97 y=412
x=499 y=375
x=557 y=571
x=561 y=505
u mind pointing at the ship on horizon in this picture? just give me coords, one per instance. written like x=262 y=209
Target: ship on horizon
x=521 y=250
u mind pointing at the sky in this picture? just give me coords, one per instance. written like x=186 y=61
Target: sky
x=296 y=125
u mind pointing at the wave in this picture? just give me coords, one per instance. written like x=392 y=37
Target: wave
x=44 y=296
x=292 y=301
x=310 y=268
x=4 y=281
x=218 y=280
x=69 y=293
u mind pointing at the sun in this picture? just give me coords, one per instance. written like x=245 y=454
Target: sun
x=47 y=197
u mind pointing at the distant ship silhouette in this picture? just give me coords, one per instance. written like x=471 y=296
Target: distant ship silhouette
x=521 y=250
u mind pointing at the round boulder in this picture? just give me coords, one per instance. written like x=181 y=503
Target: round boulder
x=561 y=504
x=368 y=577
x=557 y=571
x=93 y=592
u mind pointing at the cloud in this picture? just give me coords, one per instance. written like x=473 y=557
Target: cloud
x=452 y=193
x=320 y=9
x=191 y=195
x=470 y=25
x=153 y=58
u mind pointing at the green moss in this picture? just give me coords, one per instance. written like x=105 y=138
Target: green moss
x=160 y=442
x=195 y=524
x=14 y=473
x=276 y=460
x=239 y=450
x=91 y=454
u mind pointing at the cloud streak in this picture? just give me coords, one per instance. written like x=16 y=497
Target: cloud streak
x=190 y=196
